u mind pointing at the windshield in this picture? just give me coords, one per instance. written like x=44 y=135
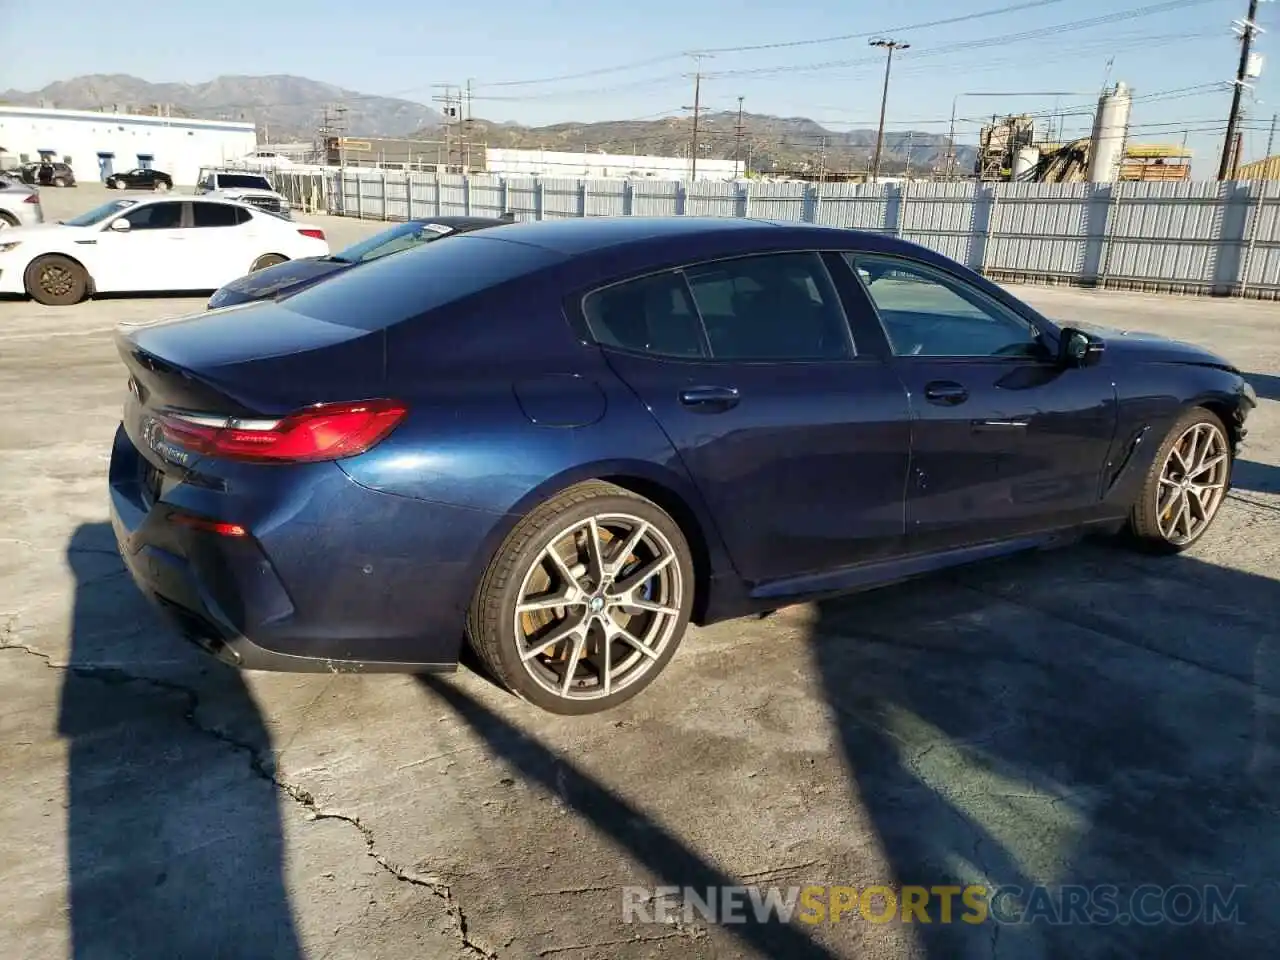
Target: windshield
x=403 y=236
x=242 y=181
x=98 y=214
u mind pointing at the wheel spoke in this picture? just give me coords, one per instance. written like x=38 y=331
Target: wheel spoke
x=614 y=631
x=557 y=562
x=619 y=558
x=643 y=575
x=1207 y=465
x=595 y=555
x=571 y=668
x=648 y=606
x=565 y=599
x=573 y=628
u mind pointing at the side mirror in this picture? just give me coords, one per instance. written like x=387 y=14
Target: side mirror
x=121 y=225
x=1078 y=349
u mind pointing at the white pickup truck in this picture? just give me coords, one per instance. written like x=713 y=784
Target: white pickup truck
x=241 y=185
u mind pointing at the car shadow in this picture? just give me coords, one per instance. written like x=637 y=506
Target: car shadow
x=1258 y=477
x=1068 y=718
x=1267 y=385
x=647 y=842
x=174 y=838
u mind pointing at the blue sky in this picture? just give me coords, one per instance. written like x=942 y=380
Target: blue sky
x=1171 y=57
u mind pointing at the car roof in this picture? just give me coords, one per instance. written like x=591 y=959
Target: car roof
x=460 y=223
x=580 y=235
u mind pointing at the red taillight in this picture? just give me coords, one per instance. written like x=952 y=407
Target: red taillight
x=209 y=526
x=35 y=198
x=327 y=431
x=312 y=232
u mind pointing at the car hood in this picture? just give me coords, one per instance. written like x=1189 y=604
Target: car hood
x=1140 y=345
x=16 y=234
x=269 y=281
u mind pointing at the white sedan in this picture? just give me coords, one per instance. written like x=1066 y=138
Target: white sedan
x=149 y=245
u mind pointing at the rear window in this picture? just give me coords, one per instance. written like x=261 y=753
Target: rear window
x=242 y=181
x=381 y=293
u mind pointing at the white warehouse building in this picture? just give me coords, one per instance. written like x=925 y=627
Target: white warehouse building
x=98 y=144
x=549 y=163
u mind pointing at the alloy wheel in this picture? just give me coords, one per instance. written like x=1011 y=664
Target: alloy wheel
x=1193 y=483
x=598 y=606
x=56 y=280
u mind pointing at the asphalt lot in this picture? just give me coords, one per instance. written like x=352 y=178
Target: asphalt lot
x=1082 y=716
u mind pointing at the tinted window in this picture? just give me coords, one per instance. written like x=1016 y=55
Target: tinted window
x=242 y=181
x=773 y=307
x=98 y=214
x=928 y=313
x=650 y=315
x=214 y=215
x=388 y=290
x=156 y=216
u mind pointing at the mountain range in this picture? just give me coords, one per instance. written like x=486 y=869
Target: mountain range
x=292 y=108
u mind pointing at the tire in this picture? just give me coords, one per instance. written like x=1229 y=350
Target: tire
x=1171 y=513
x=267 y=260
x=160 y=186
x=119 y=184
x=7 y=220
x=498 y=631
x=61 y=182
x=56 y=281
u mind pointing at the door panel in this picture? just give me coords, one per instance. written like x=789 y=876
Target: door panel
x=802 y=460
x=1006 y=441
x=151 y=255
x=223 y=243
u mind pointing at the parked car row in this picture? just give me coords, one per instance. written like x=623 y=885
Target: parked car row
x=565 y=441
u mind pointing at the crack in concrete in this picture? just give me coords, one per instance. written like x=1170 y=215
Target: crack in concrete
x=568 y=948
x=259 y=766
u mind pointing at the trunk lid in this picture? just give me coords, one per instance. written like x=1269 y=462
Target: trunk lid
x=256 y=360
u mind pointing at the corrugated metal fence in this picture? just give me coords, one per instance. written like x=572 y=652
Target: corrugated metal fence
x=1192 y=238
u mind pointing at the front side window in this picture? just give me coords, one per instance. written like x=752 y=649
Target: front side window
x=242 y=181
x=156 y=216
x=651 y=315
x=779 y=307
x=929 y=313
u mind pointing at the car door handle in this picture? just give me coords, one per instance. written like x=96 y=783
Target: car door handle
x=710 y=399
x=945 y=392
x=983 y=426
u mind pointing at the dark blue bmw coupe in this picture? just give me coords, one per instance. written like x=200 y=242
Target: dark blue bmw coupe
x=563 y=441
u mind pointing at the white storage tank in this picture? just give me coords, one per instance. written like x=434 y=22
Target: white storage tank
x=1110 y=128
x=1024 y=161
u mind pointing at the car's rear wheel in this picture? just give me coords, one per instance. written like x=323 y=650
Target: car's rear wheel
x=586 y=602
x=56 y=281
x=160 y=186
x=267 y=260
x=1186 y=485
x=7 y=220
x=119 y=184
x=61 y=182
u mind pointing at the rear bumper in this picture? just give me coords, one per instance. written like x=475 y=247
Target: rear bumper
x=321 y=582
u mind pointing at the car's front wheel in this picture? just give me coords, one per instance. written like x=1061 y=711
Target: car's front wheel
x=119 y=184
x=1186 y=484
x=56 y=281
x=586 y=601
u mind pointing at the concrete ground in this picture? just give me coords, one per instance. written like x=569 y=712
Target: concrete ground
x=1086 y=716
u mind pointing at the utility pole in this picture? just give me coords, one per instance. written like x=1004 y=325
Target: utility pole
x=1271 y=137
x=340 y=128
x=890 y=46
x=697 y=112
x=449 y=110
x=467 y=127
x=1247 y=27
x=738 y=132
x=911 y=135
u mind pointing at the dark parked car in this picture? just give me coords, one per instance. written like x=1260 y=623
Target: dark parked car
x=291 y=276
x=141 y=179
x=567 y=439
x=48 y=174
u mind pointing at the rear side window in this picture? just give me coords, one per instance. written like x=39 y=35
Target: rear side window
x=389 y=290
x=651 y=315
x=779 y=307
x=214 y=215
